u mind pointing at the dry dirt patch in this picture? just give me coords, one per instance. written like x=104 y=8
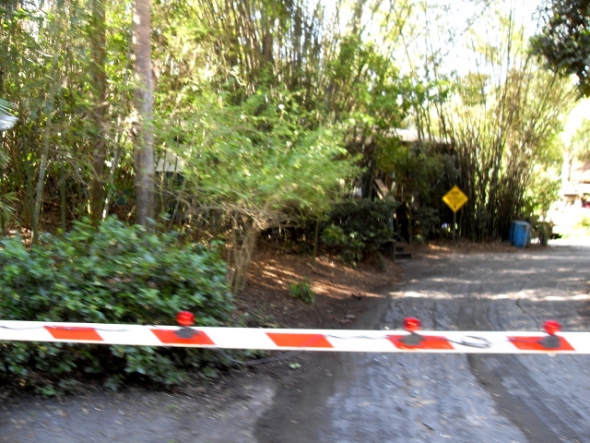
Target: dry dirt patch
x=342 y=292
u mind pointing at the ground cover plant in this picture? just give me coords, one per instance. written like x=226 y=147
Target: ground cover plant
x=113 y=274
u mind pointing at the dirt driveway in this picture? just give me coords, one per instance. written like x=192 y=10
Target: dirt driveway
x=372 y=398
x=455 y=398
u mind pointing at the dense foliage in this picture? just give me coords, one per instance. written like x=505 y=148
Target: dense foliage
x=225 y=119
x=243 y=96
x=502 y=124
x=564 y=42
x=116 y=274
x=256 y=166
x=357 y=228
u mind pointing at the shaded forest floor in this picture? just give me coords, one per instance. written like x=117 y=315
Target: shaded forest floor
x=343 y=293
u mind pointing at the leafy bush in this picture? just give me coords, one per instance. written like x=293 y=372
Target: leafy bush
x=357 y=228
x=427 y=223
x=116 y=274
x=302 y=290
x=349 y=246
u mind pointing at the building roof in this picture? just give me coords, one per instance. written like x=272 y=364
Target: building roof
x=580 y=172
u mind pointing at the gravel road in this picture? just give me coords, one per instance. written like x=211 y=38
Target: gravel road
x=455 y=398
x=373 y=398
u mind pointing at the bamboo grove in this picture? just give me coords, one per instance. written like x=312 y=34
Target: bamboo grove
x=264 y=112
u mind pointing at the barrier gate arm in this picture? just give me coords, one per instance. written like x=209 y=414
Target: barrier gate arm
x=410 y=339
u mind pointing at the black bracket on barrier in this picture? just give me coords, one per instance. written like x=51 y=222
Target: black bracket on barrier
x=550 y=342
x=186 y=332
x=412 y=339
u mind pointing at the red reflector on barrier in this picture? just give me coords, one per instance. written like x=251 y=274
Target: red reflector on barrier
x=551 y=327
x=185 y=318
x=536 y=344
x=299 y=340
x=170 y=337
x=73 y=333
x=412 y=324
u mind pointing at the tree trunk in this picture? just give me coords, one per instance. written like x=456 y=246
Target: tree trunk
x=144 y=97
x=41 y=179
x=97 y=189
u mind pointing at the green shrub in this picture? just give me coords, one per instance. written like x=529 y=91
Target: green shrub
x=302 y=290
x=427 y=223
x=116 y=274
x=357 y=228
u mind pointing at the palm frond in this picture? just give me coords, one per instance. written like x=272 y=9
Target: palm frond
x=7 y=120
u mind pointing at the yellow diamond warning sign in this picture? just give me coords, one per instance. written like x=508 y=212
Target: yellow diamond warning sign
x=455 y=199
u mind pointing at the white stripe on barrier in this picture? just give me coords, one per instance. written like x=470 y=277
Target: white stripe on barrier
x=514 y=342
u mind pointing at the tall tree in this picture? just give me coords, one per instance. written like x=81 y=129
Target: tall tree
x=99 y=81
x=565 y=39
x=144 y=99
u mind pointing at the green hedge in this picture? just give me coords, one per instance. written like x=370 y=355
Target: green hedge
x=116 y=274
x=358 y=227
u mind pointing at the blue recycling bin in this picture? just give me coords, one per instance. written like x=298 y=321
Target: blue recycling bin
x=520 y=233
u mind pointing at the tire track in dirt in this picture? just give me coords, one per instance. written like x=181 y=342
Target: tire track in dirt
x=433 y=398
x=540 y=414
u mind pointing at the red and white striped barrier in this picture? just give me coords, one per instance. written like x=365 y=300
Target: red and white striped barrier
x=408 y=340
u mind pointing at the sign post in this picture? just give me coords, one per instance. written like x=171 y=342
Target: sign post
x=455 y=199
